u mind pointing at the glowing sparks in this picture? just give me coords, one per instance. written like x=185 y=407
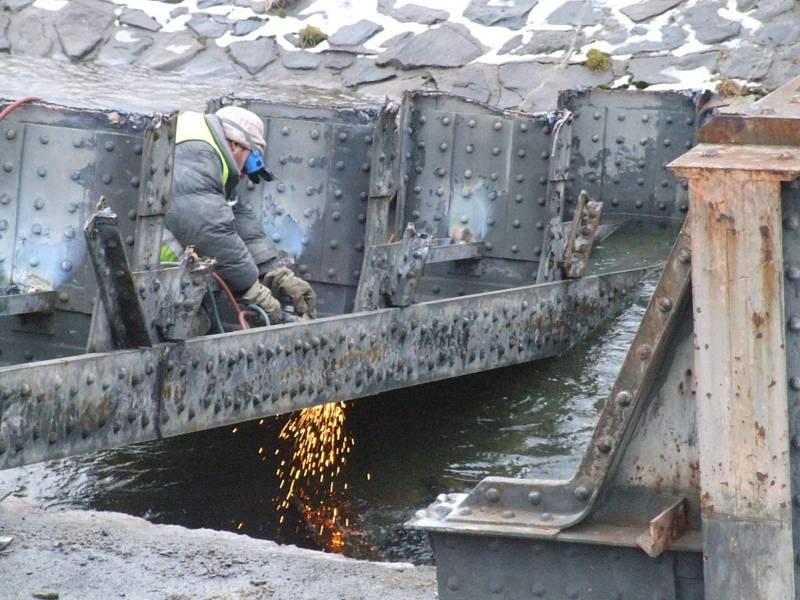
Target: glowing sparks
x=320 y=445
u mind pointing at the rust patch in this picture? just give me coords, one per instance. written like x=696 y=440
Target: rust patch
x=760 y=431
x=766 y=244
x=762 y=477
x=758 y=319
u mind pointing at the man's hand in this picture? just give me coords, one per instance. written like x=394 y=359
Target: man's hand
x=260 y=295
x=283 y=282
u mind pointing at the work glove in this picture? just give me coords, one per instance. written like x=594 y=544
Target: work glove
x=261 y=296
x=283 y=282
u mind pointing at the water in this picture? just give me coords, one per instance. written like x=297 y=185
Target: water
x=525 y=421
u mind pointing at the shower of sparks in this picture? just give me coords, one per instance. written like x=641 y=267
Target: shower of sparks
x=310 y=477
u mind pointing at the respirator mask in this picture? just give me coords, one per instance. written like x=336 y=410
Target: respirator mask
x=255 y=167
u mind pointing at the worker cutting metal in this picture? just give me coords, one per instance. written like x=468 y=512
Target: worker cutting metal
x=212 y=153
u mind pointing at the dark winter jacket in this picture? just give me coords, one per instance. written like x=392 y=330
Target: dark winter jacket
x=200 y=215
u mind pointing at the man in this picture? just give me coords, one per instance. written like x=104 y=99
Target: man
x=212 y=152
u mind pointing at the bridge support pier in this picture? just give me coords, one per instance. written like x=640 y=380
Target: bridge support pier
x=740 y=364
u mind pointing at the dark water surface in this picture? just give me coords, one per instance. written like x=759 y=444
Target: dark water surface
x=525 y=421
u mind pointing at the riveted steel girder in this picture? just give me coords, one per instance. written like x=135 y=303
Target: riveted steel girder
x=84 y=403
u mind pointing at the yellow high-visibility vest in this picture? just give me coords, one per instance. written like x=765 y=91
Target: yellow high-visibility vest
x=192 y=126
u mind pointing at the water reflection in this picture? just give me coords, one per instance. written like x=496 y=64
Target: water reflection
x=531 y=420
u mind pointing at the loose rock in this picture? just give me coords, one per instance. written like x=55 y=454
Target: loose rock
x=543 y=41
x=138 y=18
x=642 y=11
x=207 y=25
x=248 y=25
x=123 y=49
x=577 y=13
x=652 y=69
x=304 y=61
x=27 y=35
x=172 y=52
x=471 y=81
x=767 y=9
x=81 y=28
x=672 y=36
x=293 y=39
x=449 y=45
x=709 y=26
x=365 y=71
x=747 y=62
x=355 y=34
x=779 y=33
x=201 y=4
x=178 y=11
x=535 y=85
x=414 y=13
x=337 y=61
x=210 y=65
x=508 y=14
x=254 y=55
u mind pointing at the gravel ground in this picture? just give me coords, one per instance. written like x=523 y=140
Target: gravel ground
x=91 y=555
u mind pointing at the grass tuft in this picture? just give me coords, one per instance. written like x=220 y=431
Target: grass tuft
x=598 y=61
x=310 y=36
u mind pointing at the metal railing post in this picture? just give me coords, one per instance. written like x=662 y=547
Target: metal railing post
x=740 y=365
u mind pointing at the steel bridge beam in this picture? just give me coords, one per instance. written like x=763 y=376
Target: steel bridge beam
x=56 y=408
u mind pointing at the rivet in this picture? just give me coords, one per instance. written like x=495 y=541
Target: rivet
x=11 y=134
x=495 y=151
x=793 y=273
x=623 y=398
x=685 y=255
x=664 y=304
x=469 y=149
x=41 y=172
x=69 y=232
x=8 y=167
x=38 y=204
x=523 y=127
x=498 y=125
x=452 y=582
x=34 y=262
x=604 y=445
x=5 y=199
x=794 y=324
x=492 y=495
x=284 y=130
x=66 y=265
x=535 y=498
x=445 y=121
x=314 y=134
x=581 y=493
x=794 y=383
x=471 y=123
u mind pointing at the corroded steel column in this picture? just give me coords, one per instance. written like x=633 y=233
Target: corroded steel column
x=740 y=364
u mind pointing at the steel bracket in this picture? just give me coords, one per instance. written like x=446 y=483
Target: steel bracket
x=665 y=528
x=126 y=316
x=582 y=235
